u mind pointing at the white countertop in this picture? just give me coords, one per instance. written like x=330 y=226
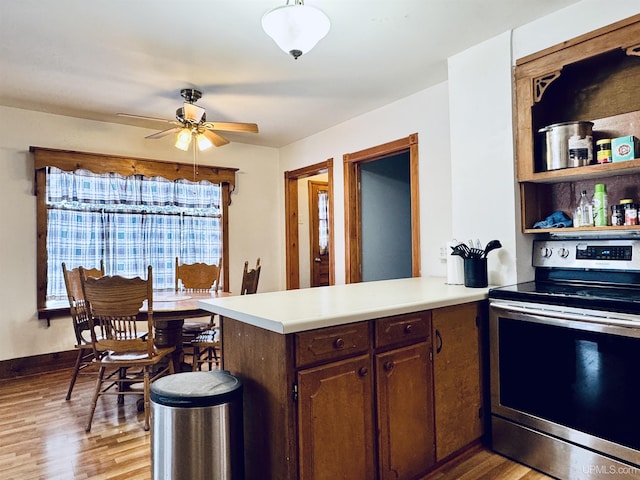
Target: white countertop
x=292 y=311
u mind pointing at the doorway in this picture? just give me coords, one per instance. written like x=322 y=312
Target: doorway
x=399 y=152
x=294 y=259
x=318 y=201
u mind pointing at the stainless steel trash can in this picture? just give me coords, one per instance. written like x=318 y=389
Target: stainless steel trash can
x=196 y=427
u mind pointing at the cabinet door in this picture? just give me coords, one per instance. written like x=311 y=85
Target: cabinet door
x=335 y=421
x=457 y=377
x=405 y=412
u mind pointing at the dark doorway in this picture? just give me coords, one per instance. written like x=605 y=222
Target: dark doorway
x=385 y=197
x=396 y=156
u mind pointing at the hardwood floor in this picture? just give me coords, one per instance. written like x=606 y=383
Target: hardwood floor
x=42 y=437
x=482 y=464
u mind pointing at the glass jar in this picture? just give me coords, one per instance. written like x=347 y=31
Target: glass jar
x=603 y=151
x=631 y=214
x=617 y=215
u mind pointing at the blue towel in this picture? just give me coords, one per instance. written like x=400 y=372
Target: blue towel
x=557 y=219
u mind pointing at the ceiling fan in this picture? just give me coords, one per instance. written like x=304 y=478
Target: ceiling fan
x=191 y=121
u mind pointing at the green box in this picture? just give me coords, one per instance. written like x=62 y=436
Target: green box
x=624 y=148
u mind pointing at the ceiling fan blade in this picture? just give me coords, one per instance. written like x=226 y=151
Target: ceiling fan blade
x=193 y=112
x=231 y=126
x=216 y=139
x=164 y=133
x=141 y=117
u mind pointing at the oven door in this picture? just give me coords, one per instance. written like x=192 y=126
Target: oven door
x=572 y=374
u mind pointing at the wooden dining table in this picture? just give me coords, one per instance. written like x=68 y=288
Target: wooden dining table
x=170 y=309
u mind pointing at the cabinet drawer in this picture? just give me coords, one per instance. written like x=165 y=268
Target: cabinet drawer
x=331 y=343
x=402 y=328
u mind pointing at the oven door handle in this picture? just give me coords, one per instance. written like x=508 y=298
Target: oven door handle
x=564 y=315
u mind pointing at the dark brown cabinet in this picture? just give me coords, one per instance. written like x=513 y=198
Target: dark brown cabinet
x=457 y=377
x=594 y=78
x=335 y=420
x=404 y=394
x=355 y=401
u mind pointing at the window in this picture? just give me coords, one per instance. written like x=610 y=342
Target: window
x=129 y=223
x=129 y=213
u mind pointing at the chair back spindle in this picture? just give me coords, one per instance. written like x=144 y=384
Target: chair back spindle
x=198 y=277
x=77 y=304
x=115 y=304
x=250 y=279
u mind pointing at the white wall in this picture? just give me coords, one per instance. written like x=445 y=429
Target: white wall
x=253 y=212
x=426 y=113
x=482 y=165
x=485 y=197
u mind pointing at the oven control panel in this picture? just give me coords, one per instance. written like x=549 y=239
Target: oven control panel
x=609 y=254
x=597 y=252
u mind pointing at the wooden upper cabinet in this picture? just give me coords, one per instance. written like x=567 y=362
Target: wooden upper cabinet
x=457 y=377
x=594 y=77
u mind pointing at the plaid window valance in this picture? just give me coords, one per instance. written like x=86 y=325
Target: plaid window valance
x=129 y=223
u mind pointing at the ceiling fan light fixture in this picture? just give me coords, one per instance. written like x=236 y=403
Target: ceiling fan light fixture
x=183 y=139
x=193 y=113
x=296 y=28
x=203 y=142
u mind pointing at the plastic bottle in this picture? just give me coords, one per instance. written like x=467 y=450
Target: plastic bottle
x=600 y=205
x=585 y=211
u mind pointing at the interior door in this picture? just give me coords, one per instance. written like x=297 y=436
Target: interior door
x=319 y=232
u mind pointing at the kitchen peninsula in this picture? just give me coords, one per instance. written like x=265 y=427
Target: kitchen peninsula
x=349 y=380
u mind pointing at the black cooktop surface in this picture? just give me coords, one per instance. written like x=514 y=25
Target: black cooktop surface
x=597 y=297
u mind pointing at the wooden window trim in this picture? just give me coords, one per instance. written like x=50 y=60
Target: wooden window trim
x=69 y=160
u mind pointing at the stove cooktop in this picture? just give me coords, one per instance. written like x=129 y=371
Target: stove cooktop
x=624 y=299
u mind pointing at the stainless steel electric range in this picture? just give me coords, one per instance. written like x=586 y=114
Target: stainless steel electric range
x=565 y=361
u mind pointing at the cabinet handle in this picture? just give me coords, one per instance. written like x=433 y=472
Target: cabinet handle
x=338 y=343
x=363 y=371
x=408 y=328
x=388 y=366
x=439 y=341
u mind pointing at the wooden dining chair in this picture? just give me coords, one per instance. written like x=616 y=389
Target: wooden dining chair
x=196 y=277
x=250 y=278
x=115 y=317
x=206 y=345
x=80 y=319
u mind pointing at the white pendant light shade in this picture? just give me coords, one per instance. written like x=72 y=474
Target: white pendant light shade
x=297 y=28
x=183 y=139
x=203 y=142
x=193 y=112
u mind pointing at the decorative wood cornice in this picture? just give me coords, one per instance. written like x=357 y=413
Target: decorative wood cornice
x=69 y=160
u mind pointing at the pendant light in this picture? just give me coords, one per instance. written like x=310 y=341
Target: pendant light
x=296 y=28
x=183 y=139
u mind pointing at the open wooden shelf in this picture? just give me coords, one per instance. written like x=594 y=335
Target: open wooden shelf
x=590 y=78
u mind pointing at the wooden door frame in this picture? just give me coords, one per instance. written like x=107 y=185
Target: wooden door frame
x=352 y=213
x=291 y=220
x=314 y=186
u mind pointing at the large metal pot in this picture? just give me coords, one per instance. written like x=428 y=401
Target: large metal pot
x=567 y=144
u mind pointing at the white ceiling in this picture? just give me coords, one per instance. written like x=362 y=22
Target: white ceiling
x=94 y=58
